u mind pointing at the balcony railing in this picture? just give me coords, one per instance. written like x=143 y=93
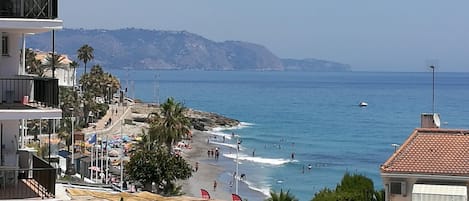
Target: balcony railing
x=22 y=90
x=23 y=182
x=35 y=9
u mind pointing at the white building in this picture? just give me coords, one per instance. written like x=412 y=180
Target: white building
x=23 y=97
x=63 y=72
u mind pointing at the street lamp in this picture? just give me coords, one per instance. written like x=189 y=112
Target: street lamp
x=109 y=93
x=237 y=164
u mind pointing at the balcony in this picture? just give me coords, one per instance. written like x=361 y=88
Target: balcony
x=28 y=182
x=23 y=92
x=33 y=9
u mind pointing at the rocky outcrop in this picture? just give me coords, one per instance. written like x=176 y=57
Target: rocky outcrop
x=204 y=121
x=200 y=120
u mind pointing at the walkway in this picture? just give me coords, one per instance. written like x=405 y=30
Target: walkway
x=116 y=113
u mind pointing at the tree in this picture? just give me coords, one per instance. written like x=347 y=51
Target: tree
x=33 y=65
x=151 y=163
x=100 y=83
x=54 y=61
x=282 y=196
x=171 y=126
x=351 y=187
x=85 y=54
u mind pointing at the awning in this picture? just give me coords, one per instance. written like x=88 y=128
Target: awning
x=439 y=192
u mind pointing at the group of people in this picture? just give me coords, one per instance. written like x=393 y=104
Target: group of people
x=213 y=153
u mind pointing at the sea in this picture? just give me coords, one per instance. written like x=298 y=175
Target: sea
x=292 y=121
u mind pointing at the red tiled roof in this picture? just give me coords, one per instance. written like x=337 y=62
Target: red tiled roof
x=432 y=151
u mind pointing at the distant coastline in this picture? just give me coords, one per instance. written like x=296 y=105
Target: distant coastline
x=175 y=50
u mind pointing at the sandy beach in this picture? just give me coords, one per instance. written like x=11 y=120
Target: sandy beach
x=207 y=173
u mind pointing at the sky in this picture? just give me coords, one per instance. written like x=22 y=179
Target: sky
x=370 y=35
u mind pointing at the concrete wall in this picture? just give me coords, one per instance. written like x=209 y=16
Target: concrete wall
x=9 y=65
x=10 y=142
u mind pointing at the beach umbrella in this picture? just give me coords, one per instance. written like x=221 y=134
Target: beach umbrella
x=205 y=194
x=113 y=153
x=236 y=197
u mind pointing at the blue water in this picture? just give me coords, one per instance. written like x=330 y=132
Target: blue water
x=313 y=115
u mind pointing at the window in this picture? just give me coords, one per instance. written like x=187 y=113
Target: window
x=396 y=188
x=5 y=46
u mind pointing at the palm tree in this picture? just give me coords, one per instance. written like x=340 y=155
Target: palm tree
x=54 y=61
x=33 y=65
x=171 y=126
x=85 y=54
x=282 y=196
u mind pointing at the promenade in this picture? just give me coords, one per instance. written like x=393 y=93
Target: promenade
x=117 y=114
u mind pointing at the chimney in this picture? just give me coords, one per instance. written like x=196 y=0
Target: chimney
x=430 y=120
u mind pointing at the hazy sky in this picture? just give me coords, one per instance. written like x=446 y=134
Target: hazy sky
x=374 y=35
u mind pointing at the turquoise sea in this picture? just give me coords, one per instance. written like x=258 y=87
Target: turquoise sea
x=313 y=115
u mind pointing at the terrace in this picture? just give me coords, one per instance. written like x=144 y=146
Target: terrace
x=28 y=93
x=34 y=9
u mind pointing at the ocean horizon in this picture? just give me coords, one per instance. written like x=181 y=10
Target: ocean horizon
x=292 y=120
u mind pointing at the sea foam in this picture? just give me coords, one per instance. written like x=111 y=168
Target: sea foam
x=269 y=161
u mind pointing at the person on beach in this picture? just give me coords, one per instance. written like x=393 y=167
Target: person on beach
x=253 y=152
x=196 y=166
x=214 y=185
x=217 y=153
x=208 y=153
x=293 y=155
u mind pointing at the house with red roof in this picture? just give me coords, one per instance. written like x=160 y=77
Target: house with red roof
x=432 y=164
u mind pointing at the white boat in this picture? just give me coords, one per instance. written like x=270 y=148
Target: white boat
x=363 y=104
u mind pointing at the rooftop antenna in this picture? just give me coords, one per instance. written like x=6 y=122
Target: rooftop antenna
x=433 y=65
x=433 y=88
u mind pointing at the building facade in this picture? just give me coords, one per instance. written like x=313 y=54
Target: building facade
x=432 y=164
x=24 y=97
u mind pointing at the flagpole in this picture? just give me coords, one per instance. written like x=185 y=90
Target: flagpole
x=101 y=161
x=122 y=157
x=97 y=160
x=107 y=159
x=91 y=161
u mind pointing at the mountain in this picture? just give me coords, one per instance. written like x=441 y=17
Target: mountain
x=174 y=50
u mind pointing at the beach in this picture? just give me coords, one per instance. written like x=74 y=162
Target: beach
x=208 y=170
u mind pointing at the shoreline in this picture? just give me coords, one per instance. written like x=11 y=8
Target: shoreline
x=209 y=170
